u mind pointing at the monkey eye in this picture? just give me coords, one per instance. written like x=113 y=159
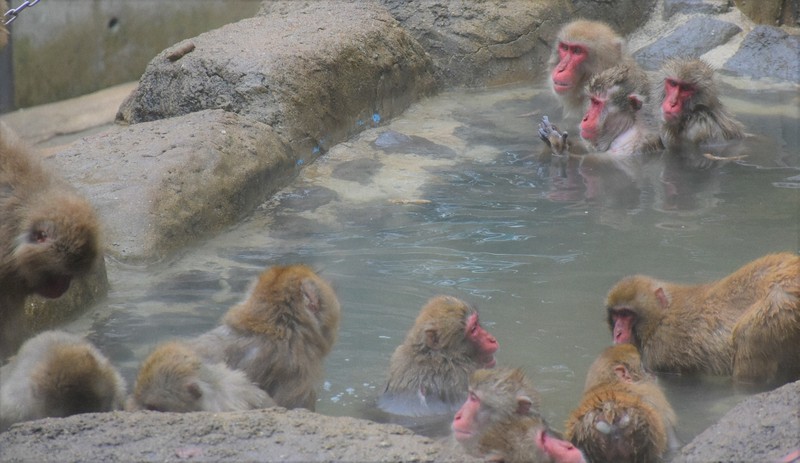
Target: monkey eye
x=576 y=50
x=472 y=397
x=564 y=46
x=38 y=236
x=596 y=101
x=671 y=83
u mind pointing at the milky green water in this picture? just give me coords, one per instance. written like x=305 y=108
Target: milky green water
x=535 y=253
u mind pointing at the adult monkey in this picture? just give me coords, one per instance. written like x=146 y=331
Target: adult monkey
x=583 y=48
x=746 y=324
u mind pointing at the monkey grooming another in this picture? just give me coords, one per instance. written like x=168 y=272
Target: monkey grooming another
x=429 y=372
x=174 y=379
x=623 y=416
x=501 y=421
x=57 y=374
x=49 y=234
x=746 y=324
x=280 y=335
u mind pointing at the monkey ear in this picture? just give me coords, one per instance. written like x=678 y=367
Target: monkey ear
x=662 y=298
x=523 y=405
x=622 y=373
x=194 y=390
x=310 y=295
x=636 y=101
x=432 y=338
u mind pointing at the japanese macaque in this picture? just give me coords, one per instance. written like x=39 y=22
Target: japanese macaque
x=624 y=416
x=280 y=335
x=746 y=324
x=57 y=374
x=501 y=421
x=583 y=48
x=174 y=378
x=613 y=122
x=48 y=235
x=693 y=117
x=429 y=372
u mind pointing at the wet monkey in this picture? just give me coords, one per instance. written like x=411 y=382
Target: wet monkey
x=280 y=335
x=57 y=374
x=692 y=115
x=501 y=421
x=583 y=48
x=49 y=234
x=746 y=324
x=623 y=416
x=174 y=378
x=429 y=372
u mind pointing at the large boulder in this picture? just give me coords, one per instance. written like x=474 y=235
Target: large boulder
x=767 y=52
x=260 y=435
x=316 y=77
x=160 y=186
x=690 y=40
x=763 y=427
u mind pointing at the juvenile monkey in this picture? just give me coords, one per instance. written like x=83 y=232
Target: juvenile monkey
x=48 y=235
x=174 y=378
x=694 y=120
x=279 y=335
x=429 y=372
x=583 y=48
x=623 y=416
x=746 y=324
x=501 y=421
x=57 y=374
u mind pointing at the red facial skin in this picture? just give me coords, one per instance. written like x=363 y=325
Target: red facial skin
x=676 y=93
x=466 y=418
x=559 y=450
x=590 y=125
x=566 y=73
x=622 y=327
x=485 y=344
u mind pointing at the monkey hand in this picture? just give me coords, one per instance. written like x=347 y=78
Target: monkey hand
x=549 y=134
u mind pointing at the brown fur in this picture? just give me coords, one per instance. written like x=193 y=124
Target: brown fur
x=280 y=334
x=56 y=374
x=605 y=50
x=48 y=235
x=441 y=373
x=705 y=119
x=627 y=89
x=623 y=416
x=174 y=378
x=746 y=324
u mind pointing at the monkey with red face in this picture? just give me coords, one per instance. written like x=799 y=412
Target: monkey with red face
x=429 y=371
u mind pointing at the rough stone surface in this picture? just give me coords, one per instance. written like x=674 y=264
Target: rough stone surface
x=160 y=186
x=767 y=52
x=692 y=39
x=694 y=6
x=316 y=73
x=262 y=435
x=487 y=43
x=771 y=12
x=764 y=427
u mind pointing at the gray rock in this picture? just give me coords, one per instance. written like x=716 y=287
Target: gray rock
x=692 y=39
x=314 y=76
x=260 y=435
x=764 y=427
x=767 y=52
x=160 y=186
x=671 y=7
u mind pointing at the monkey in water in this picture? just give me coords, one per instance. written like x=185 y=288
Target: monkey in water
x=746 y=325
x=501 y=421
x=624 y=416
x=280 y=335
x=49 y=234
x=174 y=378
x=57 y=374
x=695 y=125
x=429 y=372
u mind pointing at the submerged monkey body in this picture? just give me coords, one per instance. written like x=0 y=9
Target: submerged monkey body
x=746 y=324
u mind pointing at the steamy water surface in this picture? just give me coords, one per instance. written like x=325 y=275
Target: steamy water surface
x=451 y=198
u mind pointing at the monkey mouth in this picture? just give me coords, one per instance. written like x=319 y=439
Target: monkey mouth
x=670 y=115
x=54 y=286
x=561 y=87
x=461 y=436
